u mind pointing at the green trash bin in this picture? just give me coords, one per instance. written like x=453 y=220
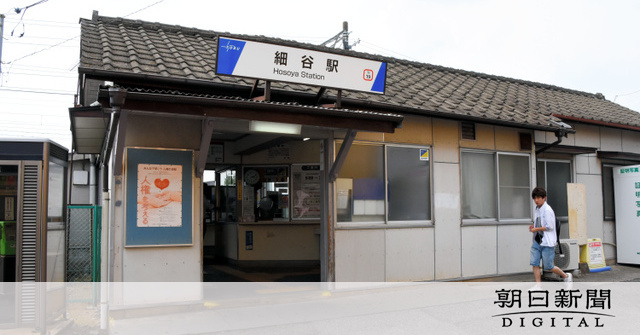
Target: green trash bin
x=8 y=241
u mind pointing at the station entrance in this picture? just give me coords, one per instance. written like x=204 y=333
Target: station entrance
x=261 y=214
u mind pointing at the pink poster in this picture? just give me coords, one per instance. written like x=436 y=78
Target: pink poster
x=159 y=195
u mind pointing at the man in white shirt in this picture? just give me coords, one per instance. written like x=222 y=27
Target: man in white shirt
x=544 y=238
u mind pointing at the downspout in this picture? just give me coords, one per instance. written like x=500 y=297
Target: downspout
x=559 y=135
x=104 y=254
x=92 y=181
x=116 y=100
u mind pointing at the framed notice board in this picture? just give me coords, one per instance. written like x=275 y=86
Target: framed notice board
x=158 y=197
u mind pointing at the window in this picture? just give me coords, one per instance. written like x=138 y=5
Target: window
x=228 y=195
x=554 y=176
x=384 y=183
x=56 y=223
x=265 y=193
x=607 y=192
x=495 y=186
x=408 y=185
x=515 y=191
x=479 y=194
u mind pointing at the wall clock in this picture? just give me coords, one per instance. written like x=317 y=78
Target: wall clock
x=251 y=177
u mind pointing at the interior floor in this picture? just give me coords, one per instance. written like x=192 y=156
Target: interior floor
x=216 y=270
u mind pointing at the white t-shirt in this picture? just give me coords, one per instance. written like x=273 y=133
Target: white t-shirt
x=547 y=220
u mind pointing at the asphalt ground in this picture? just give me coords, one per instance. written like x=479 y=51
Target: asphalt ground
x=617 y=273
x=84 y=320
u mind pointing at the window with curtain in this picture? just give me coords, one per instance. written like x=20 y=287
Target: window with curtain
x=479 y=193
x=495 y=186
x=382 y=183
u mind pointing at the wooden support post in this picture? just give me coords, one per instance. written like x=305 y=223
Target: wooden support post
x=254 y=87
x=342 y=154
x=267 y=91
x=205 y=142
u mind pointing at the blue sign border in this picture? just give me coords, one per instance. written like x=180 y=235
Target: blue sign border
x=158 y=236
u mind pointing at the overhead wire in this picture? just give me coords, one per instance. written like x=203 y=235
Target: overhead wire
x=24 y=11
x=41 y=50
x=45 y=23
x=60 y=131
x=27 y=90
x=625 y=94
x=141 y=9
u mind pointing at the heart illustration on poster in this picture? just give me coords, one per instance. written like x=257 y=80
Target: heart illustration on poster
x=161 y=183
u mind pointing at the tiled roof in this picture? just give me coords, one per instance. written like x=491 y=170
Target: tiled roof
x=157 y=51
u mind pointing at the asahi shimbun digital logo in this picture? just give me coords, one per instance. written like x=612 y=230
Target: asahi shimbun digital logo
x=556 y=309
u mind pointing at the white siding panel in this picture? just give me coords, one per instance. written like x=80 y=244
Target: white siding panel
x=410 y=254
x=514 y=246
x=479 y=251
x=360 y=255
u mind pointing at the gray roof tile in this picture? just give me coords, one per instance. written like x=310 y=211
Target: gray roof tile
x=154 y=49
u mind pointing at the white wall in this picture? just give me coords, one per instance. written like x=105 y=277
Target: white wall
x=446 y=198
x=157 y=264
x=360 y=255
x=514 y=245
x=394 y=254
x=413 y=247
x=479 y=252
x=495 y=250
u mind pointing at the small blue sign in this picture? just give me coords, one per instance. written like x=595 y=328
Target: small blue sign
x=424 y=154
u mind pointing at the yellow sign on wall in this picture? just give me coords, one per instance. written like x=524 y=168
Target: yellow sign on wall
x=593 y=254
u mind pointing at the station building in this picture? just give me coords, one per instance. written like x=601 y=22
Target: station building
x=429 y=179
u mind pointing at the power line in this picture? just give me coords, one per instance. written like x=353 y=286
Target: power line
x=32 y=37
x=141 y=9
x=41 y=50
x=43 y=45
x=44 y=68
x=27 y=90
x=387 y=51
x=622 y=95
x=45 y=23
x=43 y=75
x=10 y=100
x=24 y=11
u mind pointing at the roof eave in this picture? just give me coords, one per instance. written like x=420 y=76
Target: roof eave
x=364 y=104
x=597 y=122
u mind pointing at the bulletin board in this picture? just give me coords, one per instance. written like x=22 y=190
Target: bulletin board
x=158 y=197
x=306 y=191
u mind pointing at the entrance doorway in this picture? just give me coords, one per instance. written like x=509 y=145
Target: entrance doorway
x=248 y=230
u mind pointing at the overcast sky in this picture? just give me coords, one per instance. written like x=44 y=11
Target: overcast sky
x=591 y=46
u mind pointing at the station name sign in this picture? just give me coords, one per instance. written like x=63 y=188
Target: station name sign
x=303 y=66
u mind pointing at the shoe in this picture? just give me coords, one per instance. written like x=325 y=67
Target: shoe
x=536 y=287
x=568 y=282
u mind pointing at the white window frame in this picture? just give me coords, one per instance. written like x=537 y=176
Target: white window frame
x=497 y=220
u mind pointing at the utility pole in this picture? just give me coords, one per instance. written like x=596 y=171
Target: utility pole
x=341 y=36
x=345 y=35
x=1 y=38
